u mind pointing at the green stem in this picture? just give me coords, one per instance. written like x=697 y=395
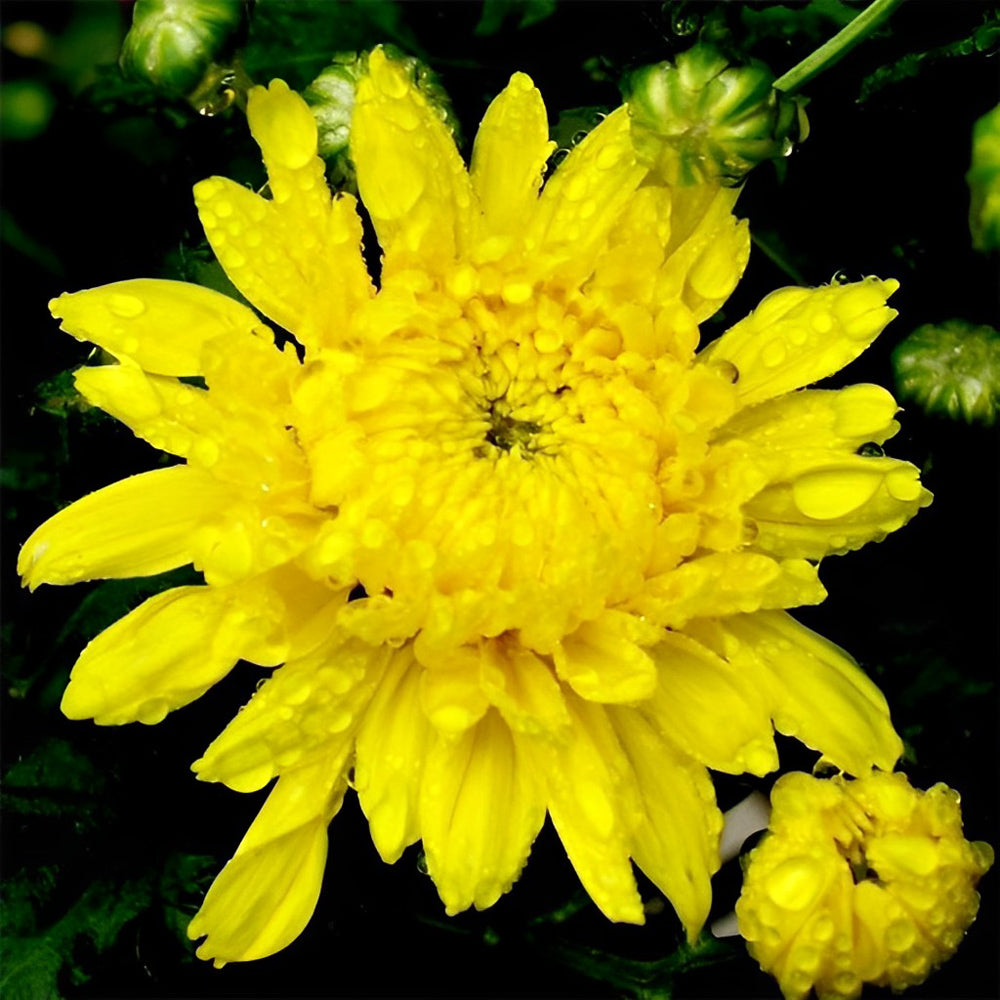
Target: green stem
x=837 y=47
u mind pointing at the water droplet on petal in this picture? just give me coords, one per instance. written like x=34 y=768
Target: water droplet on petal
x=126 y=306
x=774 y=354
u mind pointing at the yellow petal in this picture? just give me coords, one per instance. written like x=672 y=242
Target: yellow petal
x=603 y=661
x=451 y=695
x=149 y=405
x=594 y=806
x=524 y=688
x=797 y=336
x=160 y=325
x=480 y=811
x=724 y=583
x=836 y=505
x=704 y=268
x=303 y=269
x=697 y=690
x=815 y=691
x=509 y=155
x=169 y=651
x=264 y=897
x=139 y=526
x=286 y=131
x=309 y=706
x=787 y=434
x=676 y=844
x=412 y=180
x=391 y=747
x=586 y=195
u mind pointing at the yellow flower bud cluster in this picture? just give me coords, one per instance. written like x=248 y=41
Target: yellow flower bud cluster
x=864 y=881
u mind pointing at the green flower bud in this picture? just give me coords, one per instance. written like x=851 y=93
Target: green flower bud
x=331 y=97
x=952 y=369
x=172 y=43
x=984 y=182
x=700 y=119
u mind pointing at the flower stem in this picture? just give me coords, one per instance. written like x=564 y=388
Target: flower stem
x=837 y=47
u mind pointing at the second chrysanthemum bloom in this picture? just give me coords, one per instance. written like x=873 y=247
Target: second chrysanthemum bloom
x=519 y=547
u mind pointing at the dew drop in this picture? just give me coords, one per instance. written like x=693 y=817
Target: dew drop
x=608 y=157
x=871 y=450
x=774 y=354
x=222 y=207
x=126 y=306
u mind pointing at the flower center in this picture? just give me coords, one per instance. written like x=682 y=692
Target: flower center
x=505 y=431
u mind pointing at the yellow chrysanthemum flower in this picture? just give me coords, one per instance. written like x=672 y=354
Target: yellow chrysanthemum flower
x=866 y=881
x=519 y=549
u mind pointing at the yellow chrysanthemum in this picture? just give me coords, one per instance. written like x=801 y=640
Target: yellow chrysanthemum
x=866 y=881
x=572 y=537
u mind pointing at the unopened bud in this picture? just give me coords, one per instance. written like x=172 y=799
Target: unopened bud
x=173 y=43
x=331 y=97
x=700 y=119
x=952 y=369
x=984 y=182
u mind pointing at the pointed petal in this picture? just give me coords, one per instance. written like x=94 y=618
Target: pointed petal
x=411 y=178
x=585 y=196
x=480 y=811
x=149 y=404
x=676 y=845
x=797 y=336
x=724 y=583
x=815 y=691
x=309 y=706
x=264 y=897
x=603 y=661
x=696 y=690
x=139 y=526
x=836 y=505
x=594 y=806
x=170 y=650
x=788 y=432
x=160 y=325
x=391 y=747
x=509 y=155
x=303 y=270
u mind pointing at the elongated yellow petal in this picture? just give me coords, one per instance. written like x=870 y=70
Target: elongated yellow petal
x=391 y=748
x=836 y=505
x=594 y=805
x=480 y=811
x=150 y=406
x=797 y=336
x=160 y=325
x=724 y=583
x=509 y=155
x=676 y=844
x=815 y=691
x=263 y=898
x=170 y=650
x=139 y=526
x=302 y=269
x=411 y=178
x=788 y=434
x=585 y=196
x=697 y=689
x=308 y=707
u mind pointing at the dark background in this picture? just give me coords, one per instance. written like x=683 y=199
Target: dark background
x=109 y=842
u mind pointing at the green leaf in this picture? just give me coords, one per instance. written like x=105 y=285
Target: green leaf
x=497 y=12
